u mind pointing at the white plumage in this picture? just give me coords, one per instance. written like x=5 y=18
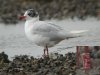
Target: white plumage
x=43 y=33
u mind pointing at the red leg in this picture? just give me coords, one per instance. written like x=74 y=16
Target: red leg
x=44 y=52
x=47 y=50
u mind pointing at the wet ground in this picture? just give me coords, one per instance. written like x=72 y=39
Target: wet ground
x=14 y=42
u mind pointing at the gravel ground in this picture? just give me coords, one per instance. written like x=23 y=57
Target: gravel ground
x=49 y=9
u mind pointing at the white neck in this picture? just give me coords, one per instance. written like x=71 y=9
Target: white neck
x=33 y=19
x=30 y=22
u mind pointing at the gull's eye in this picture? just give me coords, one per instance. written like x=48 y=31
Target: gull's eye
x=31 y=13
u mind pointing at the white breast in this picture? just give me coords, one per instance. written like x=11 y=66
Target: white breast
x=39 y=38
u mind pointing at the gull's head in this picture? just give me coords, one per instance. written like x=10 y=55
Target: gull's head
x=30 y=14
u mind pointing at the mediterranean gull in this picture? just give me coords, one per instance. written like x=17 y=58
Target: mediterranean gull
x=43 y=33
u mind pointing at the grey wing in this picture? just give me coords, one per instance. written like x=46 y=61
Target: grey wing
x=50 y=30
x=55 y=26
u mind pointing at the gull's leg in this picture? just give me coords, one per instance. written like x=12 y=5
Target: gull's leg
x=44 y=52
x=47 y=50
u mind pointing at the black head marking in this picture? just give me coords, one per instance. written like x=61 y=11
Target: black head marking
x=32 y=13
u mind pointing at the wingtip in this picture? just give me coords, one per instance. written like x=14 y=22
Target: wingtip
x=79 y=31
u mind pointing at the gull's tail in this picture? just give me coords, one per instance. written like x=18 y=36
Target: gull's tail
x=77 y=33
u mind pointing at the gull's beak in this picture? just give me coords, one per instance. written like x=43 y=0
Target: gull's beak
x=22 y=17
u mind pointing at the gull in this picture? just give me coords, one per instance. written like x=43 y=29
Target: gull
x=44 y=33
